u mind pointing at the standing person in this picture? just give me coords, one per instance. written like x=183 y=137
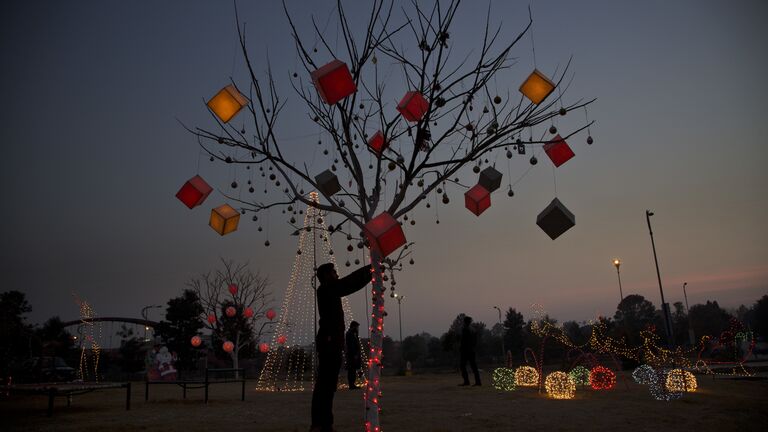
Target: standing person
x=467 y=351
x=354 y=360
x=330 y=338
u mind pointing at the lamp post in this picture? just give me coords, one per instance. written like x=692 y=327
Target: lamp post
x=399 y=299
x=617 y=264
x=664 y=305
x=691 y=336
x=503 y=351
x=145 y=314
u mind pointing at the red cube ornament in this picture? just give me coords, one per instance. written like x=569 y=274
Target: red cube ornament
x=194 y=192
x=477 y=199
x=558 y=151
x=384 y=234
x=377 y=143
x=413 y=106
x=333 y=82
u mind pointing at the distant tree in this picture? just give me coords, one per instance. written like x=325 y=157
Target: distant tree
x=52 y=339
x=132 y=350
x=680 y=324
x=414 y=349
x=251 y=297
x=759 y=317
x=15 y=333
x=709 y=319
x=633 y=315
x=514 y=337
x=573 y=330
x=182 y=322
x=388 y=351
x=450 y=339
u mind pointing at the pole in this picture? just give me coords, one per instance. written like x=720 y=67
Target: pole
x=664 y=306
x=503 y=350
x=400 y=318
x=617 y=264
x=691 y=336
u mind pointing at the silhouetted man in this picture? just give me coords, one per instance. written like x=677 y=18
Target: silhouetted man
x=330 y=338
x=467 y=351
x=354 y=361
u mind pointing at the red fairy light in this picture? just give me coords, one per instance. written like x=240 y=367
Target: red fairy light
x=333 y=82
x=194 y=192
x=602 y=378
x=263 y=347
x=196 y=341
x=248 y=312
x=228 y=346
x=232 y=289
x=271 y=314
x=230 y=311
x=211 y=318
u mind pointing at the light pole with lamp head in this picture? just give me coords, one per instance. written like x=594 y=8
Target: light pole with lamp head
x=664 y=305
x=503 y=350
x=145 y=314
x=617 y=264
x=691 y=336
x=399 y=299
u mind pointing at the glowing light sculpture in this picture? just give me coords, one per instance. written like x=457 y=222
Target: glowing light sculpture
x=679 y=380
x=558 y=151
x=526 y=376
x=644 y=374
x=413 y=106
x=477 y=199
x=559 y=385
x=228 y=346
x=503 y=378
x=537 y=87
x=602 y=378
x=230 y=311
x=555 y=219
x=384 y=234
x=333 y=82
x=196 y=341
x=227 y=103
x=224 y=219
x=580 y=375
x=193 y=192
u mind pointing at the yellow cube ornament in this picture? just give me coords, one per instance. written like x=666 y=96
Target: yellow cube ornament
x=537 y=87
x=227 y=103
x=224 y=219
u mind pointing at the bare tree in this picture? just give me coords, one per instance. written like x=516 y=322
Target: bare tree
x=466 y=123
x=234 y=286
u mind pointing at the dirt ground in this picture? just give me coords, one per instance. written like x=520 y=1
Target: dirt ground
x=430 y=402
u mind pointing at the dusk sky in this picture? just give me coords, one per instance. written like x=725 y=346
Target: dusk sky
x=93 y=155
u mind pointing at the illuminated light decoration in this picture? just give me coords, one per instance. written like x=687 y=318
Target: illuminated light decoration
x=327 y=182
x=658 y=388
x=602 y=378
x=281 y=339
x=526 y=376
x=537 y=87
x=555 y=219
x=230 y=311
x=580 y=375
x=227 y=103
x=385 y=234
x=559 y=385
x=679 y=380
x=193 y=192
x=224 y=219
x=232 y=289
x=377 y=143
x=413 y=106
x=558 y=151
x=490 y=179
x=477 y=199
x=264 y=347
x=248 y=312
x=90 y=334
x=196 y=341
x=271 y=314
x=732 y=340
x=211 y=318
x=503 y=378
x=228 y=346
x=644 y=374
x=333 y=82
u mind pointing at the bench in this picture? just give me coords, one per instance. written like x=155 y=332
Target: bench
x=52 y=390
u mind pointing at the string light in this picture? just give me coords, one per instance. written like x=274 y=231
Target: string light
x=679 y=380
x=658 y=388
x=580 y=375
x=526 y=376
x=89 y=363
x=602 y=378
x=503 y=379
x=643 y=374
x=559 y=385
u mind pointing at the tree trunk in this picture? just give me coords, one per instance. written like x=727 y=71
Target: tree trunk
x=373 y=388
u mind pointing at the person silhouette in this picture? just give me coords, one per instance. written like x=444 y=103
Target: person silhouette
x=330 y=338
x=467 y=351
x=353 y=358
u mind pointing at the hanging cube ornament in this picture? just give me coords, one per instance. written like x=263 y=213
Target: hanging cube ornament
x=477 y=199
x=224 y=219
x=490 y=178
x=413 y=106
x=377 y=143
x=537 y=87
x=333 y=82
x=194 y=192
x=327 y=182
x=555 y=219
x=384 y=234
x=227 y=103
x=558 y=151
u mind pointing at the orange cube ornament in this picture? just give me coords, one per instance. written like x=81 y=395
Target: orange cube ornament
x=224 y=219
x=384 y=234
x=377 y=143
x=194 y=192
x=413 y=106
x=477 y=199
x=227 y=103
x=537 y=87
x=558 y=151
x=333 y=82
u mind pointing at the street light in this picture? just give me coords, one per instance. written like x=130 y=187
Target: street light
x=144 y=314
x=399 y=299
x=617 y=264
x=691 y=336
x=503 y=351
x=664 y=305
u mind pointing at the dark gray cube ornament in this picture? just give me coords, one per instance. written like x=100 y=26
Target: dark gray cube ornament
x=555 y=219
x=327 y=182
x=490 y=179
